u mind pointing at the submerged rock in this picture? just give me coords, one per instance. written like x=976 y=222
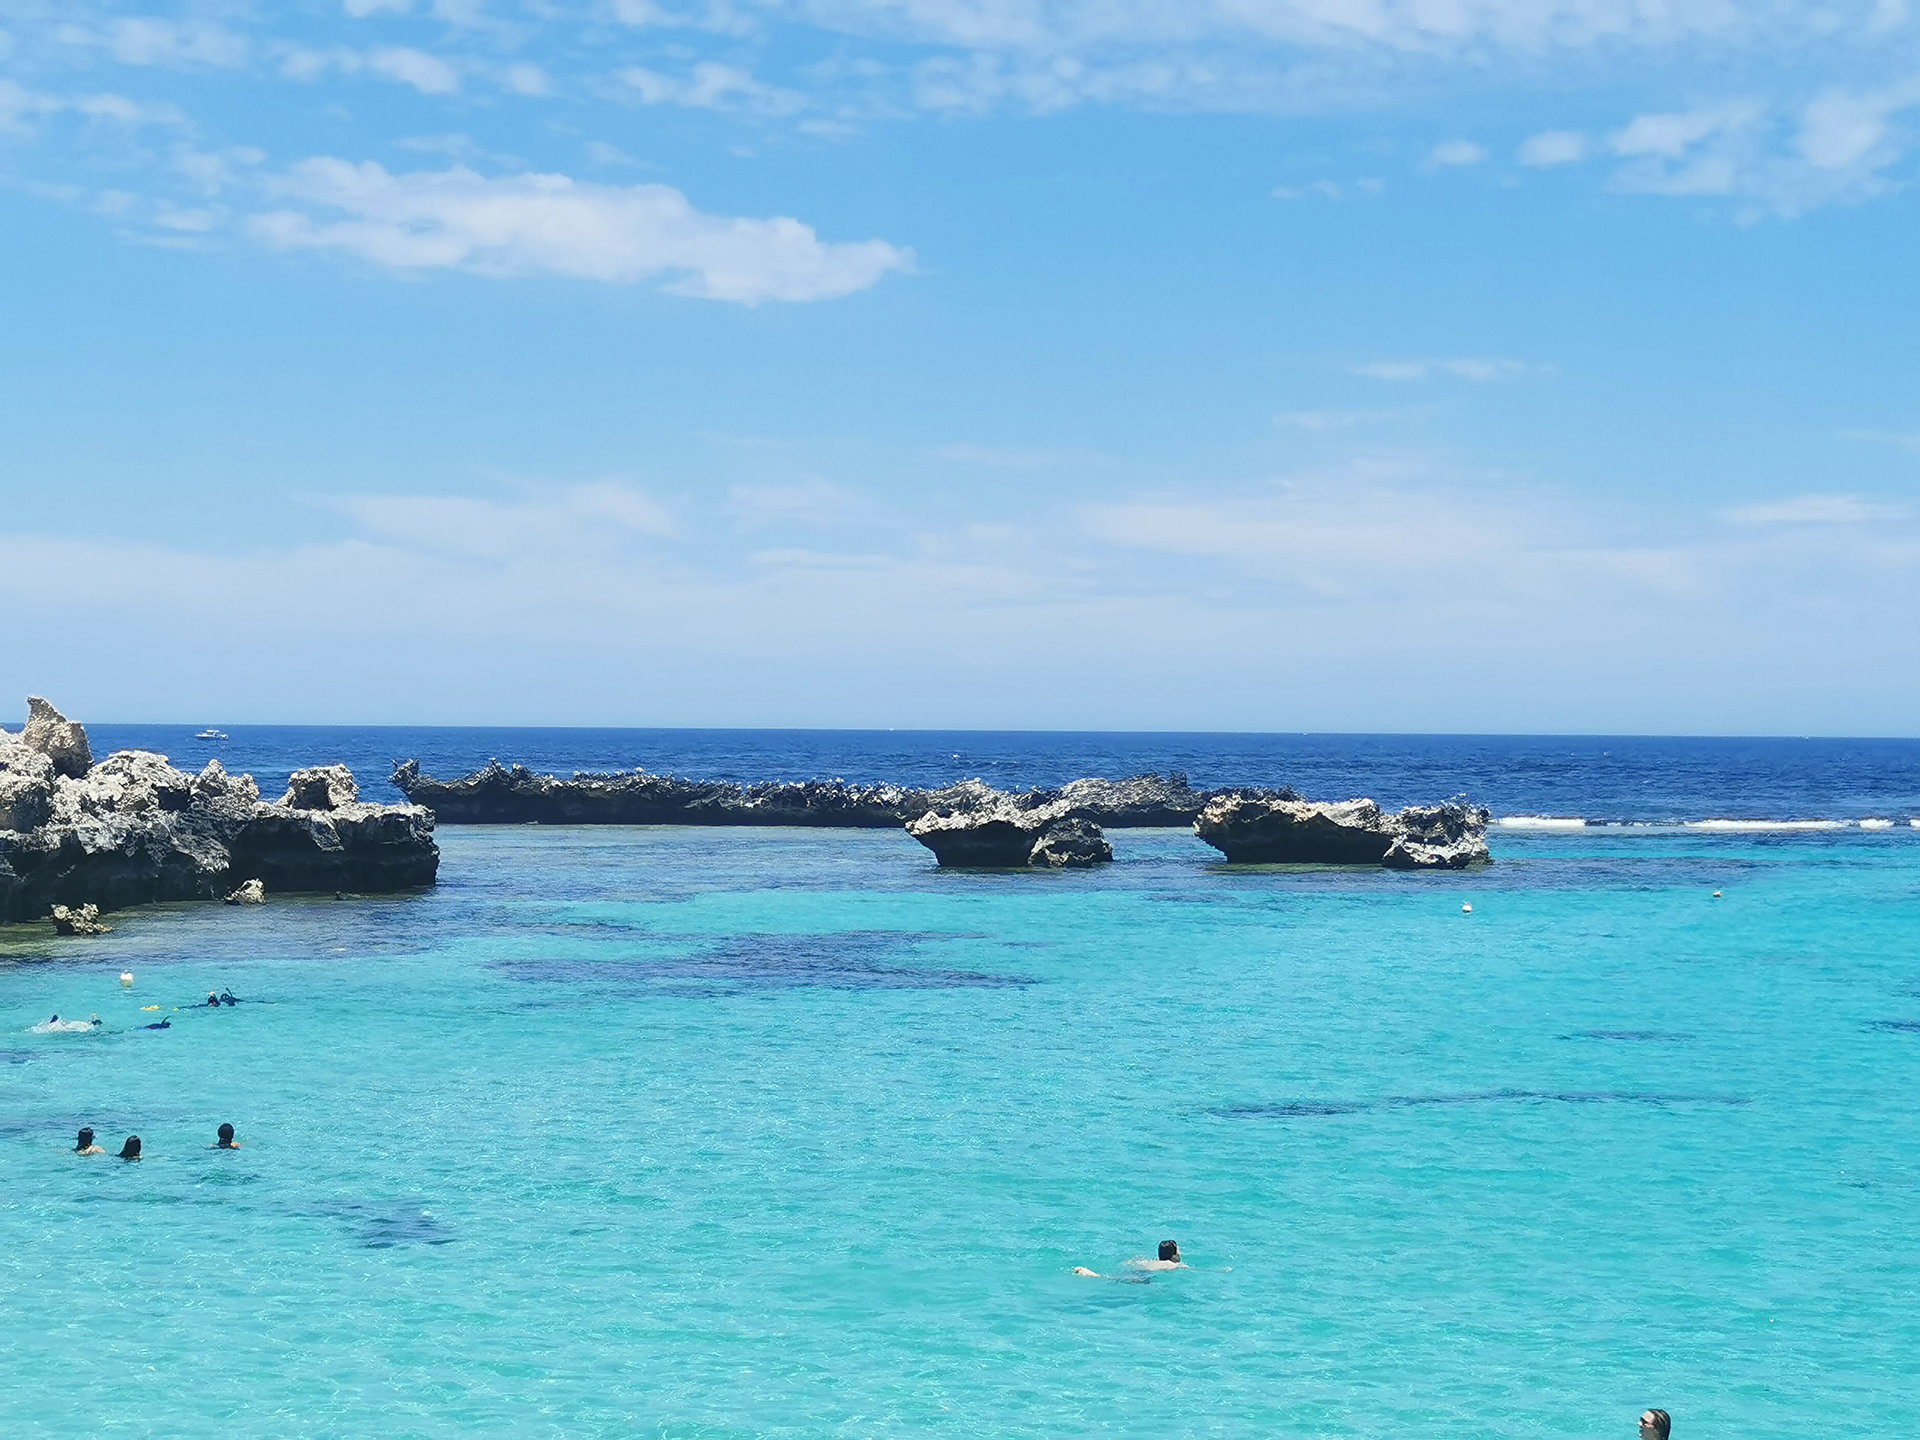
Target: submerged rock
x=132 y=830
x=251 y=893
x=1278 y=827
x=85 y=920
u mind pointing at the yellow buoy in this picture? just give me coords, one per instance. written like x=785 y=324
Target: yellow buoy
x=149 y=1007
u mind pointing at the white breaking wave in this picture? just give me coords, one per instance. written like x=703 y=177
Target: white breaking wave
x=1766 y=824
x=1876 y=824
x=62 y=1027
x=1541 y=822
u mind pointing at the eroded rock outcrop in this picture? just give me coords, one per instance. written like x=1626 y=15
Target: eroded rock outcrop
x=131 y=829
x=61 y=740
x=984 y=829
x=1071 y=845
x=80 y=920
x=1278 y=827
x=251 y=893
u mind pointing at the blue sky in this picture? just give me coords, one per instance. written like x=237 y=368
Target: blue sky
x=1486 y=365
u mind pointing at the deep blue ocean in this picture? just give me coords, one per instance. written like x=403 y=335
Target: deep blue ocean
x=1601 y=778
x=721 y=1133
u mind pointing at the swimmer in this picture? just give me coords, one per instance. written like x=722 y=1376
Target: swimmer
x=1169 y=1259
x=85 y=1146
x=131 y=1150
x=213 y=1001
x=159 y=1025
x=227 y=997
x=225 y=1140
x=1655 y=1425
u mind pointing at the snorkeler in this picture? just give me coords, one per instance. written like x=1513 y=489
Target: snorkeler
x=130 y=1150
x=85 y=1145
x=213 y=1001
x=159 y=1025
x=227 y=997
x=225 y=1140
x=1656 y=1424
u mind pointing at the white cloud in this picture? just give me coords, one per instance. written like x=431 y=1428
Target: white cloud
x=1554 y=147
x=808 y=502
x=360 y=9
x=180 y=44
x=1460 y=368
x=528 y=80
x=551 y=225
x=1458 y=152
x=426 y=73
x=1812 y=510
x=1669 y=136
x=710 y=86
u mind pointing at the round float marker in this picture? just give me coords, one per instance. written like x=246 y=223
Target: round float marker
x=126 y=978
x=1466 y=909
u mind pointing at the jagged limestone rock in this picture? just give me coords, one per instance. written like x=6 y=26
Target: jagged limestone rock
x=1072 y=844
x=251 y=893
x=322 y=787
x=133 y=830
x=61 y=740
x=1280 y=828
x=82 y=920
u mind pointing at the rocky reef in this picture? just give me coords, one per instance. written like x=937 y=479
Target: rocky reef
x=515 y=795
x=131 y=829
x=977 y=827
x=1278 y=827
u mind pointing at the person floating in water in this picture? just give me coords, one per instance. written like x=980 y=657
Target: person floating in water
x=131 y=1150
x=1656 y=1424
x=213 y=1001
x=1169 y=1260
x=85 y=1145
x=227 y=997
x=225 y=1140
x=159 y=1025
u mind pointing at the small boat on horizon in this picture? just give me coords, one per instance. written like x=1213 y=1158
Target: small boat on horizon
x=211 y=734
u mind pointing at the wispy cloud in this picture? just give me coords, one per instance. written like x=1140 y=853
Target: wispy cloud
x=1457 y=368
x=1813 y=510
x=1457 y=153
x=1908 y=440
x=1328 y=420
x=709 y=85
x=531 y=224
x=1553 y=147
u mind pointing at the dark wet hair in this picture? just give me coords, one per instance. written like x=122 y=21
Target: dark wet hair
x=1169 y=1249
x=86 y=1137
x=226 y=1132
x=131 y=1150
x=1662 y=1423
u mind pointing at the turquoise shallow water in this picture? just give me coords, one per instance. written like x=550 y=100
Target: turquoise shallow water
x=704 y=1133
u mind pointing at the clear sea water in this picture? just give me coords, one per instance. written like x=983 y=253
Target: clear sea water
x=697 y=1133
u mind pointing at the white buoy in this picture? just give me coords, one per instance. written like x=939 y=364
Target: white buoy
x=126 y=978
x=1466 y=909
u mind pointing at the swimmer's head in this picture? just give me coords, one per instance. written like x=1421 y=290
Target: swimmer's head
x=131 y=1150
x=226 y=1134
x=86 y=1137
x=1170 y=1250
x=1655 y=1425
